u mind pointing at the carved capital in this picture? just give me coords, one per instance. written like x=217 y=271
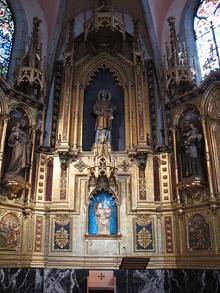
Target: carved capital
x=65 y=157
x=141 y=158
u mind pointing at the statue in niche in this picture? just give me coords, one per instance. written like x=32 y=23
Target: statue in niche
x=20 y=143
x=102 y=214
x=104 y=110
x=190 y=146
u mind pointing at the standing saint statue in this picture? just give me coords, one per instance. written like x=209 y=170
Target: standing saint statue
x=104 y=110
x=190 y=141
x=20 y=143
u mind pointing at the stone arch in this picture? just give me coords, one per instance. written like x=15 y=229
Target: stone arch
x=211 y=101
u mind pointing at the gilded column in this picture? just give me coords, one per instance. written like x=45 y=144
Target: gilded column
x=208 y=159
x=5 y=119
x=76 y=117
x=140 y=98
x=131 y=117
x=30 y=179
x=175 y=158
x=139 y=68
x=64 y=141
x=67 y=92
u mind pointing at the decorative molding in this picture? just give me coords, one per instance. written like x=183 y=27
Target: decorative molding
x=38 y=234
x=81 y=165
x=144 y=233
x=62 y=233
x=169 y=234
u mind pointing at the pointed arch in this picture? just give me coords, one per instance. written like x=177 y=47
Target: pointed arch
x=122 y=73
x=101 y=72
x=25 y=109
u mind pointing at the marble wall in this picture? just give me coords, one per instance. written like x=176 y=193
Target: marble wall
x=24 y=280
x=42 y=280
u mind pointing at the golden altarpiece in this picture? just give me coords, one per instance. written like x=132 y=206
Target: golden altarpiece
x=111 y=182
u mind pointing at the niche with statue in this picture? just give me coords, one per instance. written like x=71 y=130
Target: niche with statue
x=102 y=213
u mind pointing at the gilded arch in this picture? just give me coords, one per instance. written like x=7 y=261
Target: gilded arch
x=215 y=151
x=3 y=104
x=180 y=112
x=211 y=109
x=86 y=70
x=85 y=74
x=210 y=101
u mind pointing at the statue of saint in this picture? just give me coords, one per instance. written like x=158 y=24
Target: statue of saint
x=20 y=143
x=102 y=214
x=190 y=142
x=104 y=111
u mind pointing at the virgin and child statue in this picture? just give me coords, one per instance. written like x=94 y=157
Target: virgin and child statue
x=102 y=214
x=191 y=145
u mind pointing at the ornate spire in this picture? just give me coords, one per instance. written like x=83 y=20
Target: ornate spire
x=136 y=35
x=30 y=75
x=179 y=77
x=173 y=59
x=70 y=44
x=35 y=57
